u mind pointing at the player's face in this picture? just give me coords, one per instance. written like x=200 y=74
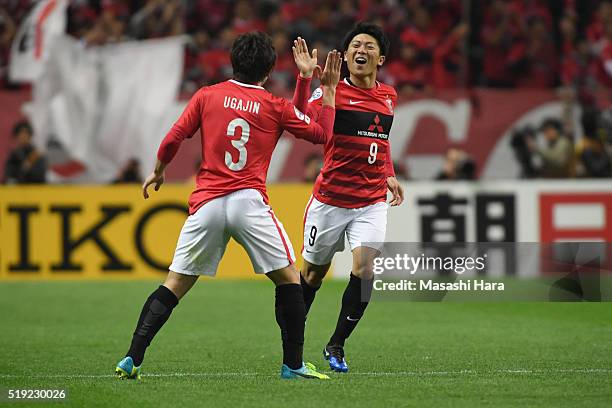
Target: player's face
x=363 y=55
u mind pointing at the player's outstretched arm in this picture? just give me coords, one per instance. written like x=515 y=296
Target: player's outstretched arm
x=300 y=125
x=330 y=77
x=185 y=127
x=156 y=177
x=308 y=67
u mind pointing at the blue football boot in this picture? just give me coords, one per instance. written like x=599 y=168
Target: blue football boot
x=334 y=353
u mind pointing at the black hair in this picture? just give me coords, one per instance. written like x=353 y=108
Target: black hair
x=253 y=57
x=370 y=29
x=22 y=125
x=589 y=122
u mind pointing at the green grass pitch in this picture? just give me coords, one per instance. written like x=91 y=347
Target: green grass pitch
x=221 y=347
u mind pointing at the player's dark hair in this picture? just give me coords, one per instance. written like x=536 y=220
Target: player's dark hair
x=20 y=126
x=253 y=57
x=371 y=29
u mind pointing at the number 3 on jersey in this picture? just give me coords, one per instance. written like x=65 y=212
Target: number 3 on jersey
x=238 y=144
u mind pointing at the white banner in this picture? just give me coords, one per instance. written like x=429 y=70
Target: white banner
x=32 y=43
x=108 y=104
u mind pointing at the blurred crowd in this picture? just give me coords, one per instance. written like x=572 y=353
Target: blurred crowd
x=435 y=43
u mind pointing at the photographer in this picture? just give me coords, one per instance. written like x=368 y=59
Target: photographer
x=551 y=157
x=555 y=155
x=25 y=164
x=458 y=165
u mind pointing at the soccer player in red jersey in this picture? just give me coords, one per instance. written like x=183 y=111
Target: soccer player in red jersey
x=240 y=124
x=350 y=193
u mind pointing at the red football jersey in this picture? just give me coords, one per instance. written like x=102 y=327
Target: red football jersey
x=358 y=156
x=240 y=125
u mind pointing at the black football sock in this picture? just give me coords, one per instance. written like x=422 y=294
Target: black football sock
x=280 y=319
x=291 y=317
x=309 y=293
x=351 y=311
x=154 y=314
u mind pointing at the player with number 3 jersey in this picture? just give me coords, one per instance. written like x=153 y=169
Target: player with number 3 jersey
x=237 y=145
x=240 y=124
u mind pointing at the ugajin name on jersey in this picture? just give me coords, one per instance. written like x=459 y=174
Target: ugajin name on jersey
x=241 y=105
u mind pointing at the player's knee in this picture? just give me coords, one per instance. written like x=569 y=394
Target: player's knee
x=314 y=274
x=363 y=262
x=284 y=276
x=179 y=284
x=313 y=279
x=363 y=270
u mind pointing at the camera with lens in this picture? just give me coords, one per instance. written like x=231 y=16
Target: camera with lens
x=523 y=154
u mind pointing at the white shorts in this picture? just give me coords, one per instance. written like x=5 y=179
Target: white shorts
x=242 y=215
x=326 y=225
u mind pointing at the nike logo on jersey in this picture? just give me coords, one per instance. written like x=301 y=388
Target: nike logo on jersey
x=351 y=320
x=352 y=102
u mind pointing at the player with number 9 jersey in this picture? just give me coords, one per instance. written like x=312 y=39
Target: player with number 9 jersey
x=349 y=195
x=358 y=157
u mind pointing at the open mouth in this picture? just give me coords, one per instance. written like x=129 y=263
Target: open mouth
x=361 y=60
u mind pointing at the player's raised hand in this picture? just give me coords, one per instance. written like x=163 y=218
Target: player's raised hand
x=306 y=63
x=153 y=178
x=331 y=73
x=396 y=190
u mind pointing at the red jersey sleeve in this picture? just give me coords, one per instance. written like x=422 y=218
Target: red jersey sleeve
x=303 y=127
x=300 y=95
x=188 y=123
x=390 y=170
x=311 y=106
